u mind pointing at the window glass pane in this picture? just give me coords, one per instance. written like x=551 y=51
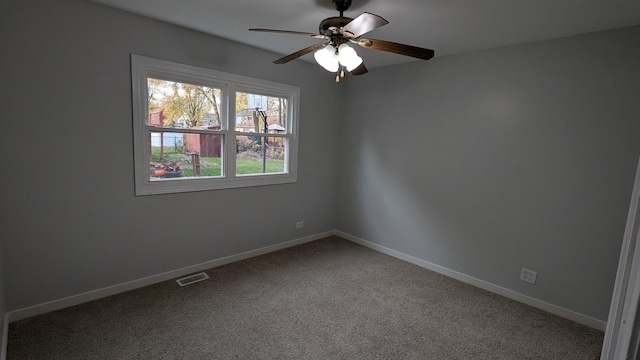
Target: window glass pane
x=180 y=105
x=177 y=155
x=260 y=155
x=255 y=112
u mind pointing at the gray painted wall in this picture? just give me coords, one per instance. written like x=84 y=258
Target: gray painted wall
x=491 y=161
x=71 y=222
x=482 y=162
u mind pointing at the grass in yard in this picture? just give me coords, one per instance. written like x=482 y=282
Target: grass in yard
x=250 y=166
x=211 y=166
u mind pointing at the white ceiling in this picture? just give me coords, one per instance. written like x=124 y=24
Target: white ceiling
x=446 y=26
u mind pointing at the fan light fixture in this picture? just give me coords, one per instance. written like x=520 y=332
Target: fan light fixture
x=331 y=58
x=348 y=57
x=327 y=57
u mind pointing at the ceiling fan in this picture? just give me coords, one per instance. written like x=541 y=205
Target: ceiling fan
x=336 y=55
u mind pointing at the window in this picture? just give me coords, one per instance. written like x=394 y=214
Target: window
x=199 y=129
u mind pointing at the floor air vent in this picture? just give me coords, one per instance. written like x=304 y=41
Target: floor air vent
x=188 y=280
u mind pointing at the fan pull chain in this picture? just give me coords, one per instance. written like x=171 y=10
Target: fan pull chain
x=339 y=74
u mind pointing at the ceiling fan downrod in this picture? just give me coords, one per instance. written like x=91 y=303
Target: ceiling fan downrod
x=341 y=5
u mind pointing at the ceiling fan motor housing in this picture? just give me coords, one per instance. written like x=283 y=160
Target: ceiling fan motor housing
x=331 y=26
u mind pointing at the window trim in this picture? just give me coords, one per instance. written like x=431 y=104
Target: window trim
x=143 y=67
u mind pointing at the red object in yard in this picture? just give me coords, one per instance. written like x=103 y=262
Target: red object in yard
x=159 y=173
x=204 y=144
x=156 y=118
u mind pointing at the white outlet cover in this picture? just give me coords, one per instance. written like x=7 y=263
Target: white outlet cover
x=528 y=275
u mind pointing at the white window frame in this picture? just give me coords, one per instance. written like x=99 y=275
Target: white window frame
x=143 y=68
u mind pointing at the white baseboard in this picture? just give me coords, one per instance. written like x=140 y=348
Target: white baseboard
x=539 y=304
x=150 y=280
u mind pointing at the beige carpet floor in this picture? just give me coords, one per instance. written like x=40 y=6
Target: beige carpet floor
x=328 y=299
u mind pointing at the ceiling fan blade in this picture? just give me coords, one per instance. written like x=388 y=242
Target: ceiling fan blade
x=360 y=70
x=299 y=53
x=408 y=50
x=363 y=24
x=316 y=36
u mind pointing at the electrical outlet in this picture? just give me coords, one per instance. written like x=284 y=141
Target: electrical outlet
x=528 y=275
x=299 y=224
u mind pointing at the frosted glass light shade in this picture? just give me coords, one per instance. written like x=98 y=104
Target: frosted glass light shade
x=327 y=58
x=348 y=57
